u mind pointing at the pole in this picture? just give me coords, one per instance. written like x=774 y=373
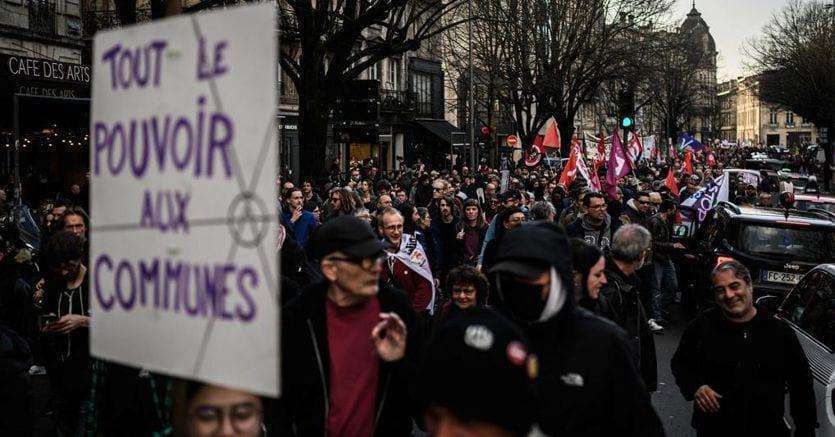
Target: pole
x=17 y=184
x=473 y=149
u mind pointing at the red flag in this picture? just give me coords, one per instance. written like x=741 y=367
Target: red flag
x=688 y=162
x=552 y=136
x=569 y=172
x=601 y=147
x=670 y=182
x=537 y=141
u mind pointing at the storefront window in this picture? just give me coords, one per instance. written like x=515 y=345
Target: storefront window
x=422 y=87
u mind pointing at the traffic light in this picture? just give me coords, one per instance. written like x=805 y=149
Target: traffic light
x=626 y=110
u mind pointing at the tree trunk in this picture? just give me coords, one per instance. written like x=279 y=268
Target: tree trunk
x=827 y=165
x=566 y=128
x=315 y=105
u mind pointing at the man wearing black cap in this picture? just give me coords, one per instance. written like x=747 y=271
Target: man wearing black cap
x=348 y=343
x=493 y=395
x=588 y=381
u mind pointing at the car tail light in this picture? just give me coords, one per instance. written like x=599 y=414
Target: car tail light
x=721 y=259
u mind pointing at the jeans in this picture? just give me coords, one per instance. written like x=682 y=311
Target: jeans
x=665 y=290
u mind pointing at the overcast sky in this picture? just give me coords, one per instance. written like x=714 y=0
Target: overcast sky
x=732 y=24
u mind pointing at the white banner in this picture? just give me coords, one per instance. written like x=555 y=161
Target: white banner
x=184 y=225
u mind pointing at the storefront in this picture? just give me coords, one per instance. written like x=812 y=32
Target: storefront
x=49 y=111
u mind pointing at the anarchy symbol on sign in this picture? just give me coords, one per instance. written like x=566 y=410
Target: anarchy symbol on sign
x=246 y=219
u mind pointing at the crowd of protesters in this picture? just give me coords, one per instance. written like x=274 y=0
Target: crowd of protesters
x=466 y=302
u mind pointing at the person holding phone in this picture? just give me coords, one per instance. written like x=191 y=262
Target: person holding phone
x=349 y=343
x=65 y=325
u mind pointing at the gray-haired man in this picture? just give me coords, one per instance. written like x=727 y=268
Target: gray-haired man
x=630 y=250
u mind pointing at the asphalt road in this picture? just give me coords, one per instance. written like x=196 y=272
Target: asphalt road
x=673 y=410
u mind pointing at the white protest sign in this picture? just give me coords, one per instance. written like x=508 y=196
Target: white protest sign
x=183 y=265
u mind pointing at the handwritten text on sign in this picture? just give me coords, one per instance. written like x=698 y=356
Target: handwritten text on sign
x=181 y=118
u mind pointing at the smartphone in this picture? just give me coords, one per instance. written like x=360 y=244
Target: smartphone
x=45 y=319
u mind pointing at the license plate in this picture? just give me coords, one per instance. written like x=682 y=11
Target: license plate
x=782 y=277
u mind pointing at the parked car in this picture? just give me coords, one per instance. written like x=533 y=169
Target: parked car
x=778 y=246
x=809 y=309
x=806 y=202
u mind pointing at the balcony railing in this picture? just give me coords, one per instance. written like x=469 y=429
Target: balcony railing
x=393 y=101
x=41 y=17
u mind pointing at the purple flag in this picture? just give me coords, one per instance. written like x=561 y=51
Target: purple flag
x=619 y=165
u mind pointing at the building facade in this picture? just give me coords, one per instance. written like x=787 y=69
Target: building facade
x=44 y=88
x=757 y=122
x=727 y=93
x=704 y=120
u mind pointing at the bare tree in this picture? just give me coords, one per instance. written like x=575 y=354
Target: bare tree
x=559 y=53
x=795 y=57
x=326 y=44
x=674 y=90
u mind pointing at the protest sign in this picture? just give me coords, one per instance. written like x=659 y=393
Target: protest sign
x=184 y=276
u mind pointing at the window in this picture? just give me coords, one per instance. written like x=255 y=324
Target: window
x=819 y=315
x=790 y=119
x=374 y=71
x=422 y=87
x=772 y=117
x=795 y=304
x=394 y=75
x=802 y=244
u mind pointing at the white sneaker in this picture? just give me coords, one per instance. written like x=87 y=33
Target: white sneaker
x=37 y=370
x=654 y=327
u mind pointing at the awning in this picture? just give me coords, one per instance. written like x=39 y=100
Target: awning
x=440 y=128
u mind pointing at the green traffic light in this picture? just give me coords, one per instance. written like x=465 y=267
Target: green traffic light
x=626 y=122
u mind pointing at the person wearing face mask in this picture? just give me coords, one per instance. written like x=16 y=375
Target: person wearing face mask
x=629 y=252
x=585 y=390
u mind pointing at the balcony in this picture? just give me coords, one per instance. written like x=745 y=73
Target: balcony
x=93 y=21
x=398 y=102
x=41 y=17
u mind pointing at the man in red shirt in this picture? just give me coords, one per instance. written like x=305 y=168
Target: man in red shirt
x=405 y=268
x=349 y=344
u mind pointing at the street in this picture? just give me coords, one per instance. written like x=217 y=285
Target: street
x=671 y=407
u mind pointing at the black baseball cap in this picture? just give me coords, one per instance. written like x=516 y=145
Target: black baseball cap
x=347 y=234
x=479 y=367
x=529 y=250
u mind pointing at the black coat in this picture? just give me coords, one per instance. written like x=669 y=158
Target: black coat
x=749 y=365
x=588 y=382
x=305 y=368
x=626 y=310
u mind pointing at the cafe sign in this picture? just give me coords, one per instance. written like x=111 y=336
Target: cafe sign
x=33 y=69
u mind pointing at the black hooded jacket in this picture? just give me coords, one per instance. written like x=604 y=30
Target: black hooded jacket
x=305 y=365
x=588 y=383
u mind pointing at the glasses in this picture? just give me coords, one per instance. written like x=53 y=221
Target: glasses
x=366 y=263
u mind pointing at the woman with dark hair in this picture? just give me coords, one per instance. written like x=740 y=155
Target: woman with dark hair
x=468 y=288
x=443 y=230
x=471 y=232
x=589 y=277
